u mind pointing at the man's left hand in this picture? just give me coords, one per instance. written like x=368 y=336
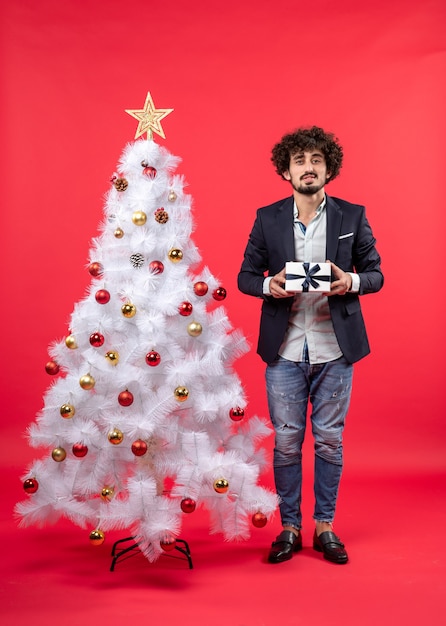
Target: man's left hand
x=341 y=284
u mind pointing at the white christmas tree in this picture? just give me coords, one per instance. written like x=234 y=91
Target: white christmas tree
x=145 y=419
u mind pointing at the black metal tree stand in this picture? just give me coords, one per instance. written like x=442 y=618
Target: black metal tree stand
x=121 y=553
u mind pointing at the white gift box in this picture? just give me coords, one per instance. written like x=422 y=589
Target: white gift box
x=306 y=277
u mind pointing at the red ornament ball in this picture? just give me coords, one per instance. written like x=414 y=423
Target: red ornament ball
x=30 y=485
x=236 y=414
x=219 y=293
x=200 y=288
x=188 y=505
x=95 y=269
x=139 y=447
x=153 y=358
x=125 y=398
x=168 y=543
x=156 y=267
x=259 y=520
x=52 y=368
x=149 y=171
x=102 y=296
x=79 y=450
x=96 y=340
x=185 y=309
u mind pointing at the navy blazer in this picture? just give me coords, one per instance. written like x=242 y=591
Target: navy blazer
x=350 y=245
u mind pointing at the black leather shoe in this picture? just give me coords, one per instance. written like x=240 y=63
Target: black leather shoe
x=286 y=543
x=331 y=546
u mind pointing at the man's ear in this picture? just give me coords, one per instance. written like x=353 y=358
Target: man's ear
x=286 y=175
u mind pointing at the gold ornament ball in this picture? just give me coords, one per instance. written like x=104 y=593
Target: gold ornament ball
x=115 y=436
x=128 y=310
x=107 y=493
x=87 y=381
x=97 y=537
x=67 y=411
x=175 y=255
x=181 y=394
x=70 y=342
x=194 y=329
x=172 y=196
x=139 y=218
x=59 y=454
x=221 y=485
x=119 y=233
x=113 y=357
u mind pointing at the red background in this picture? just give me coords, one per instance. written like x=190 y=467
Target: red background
x=238 y=74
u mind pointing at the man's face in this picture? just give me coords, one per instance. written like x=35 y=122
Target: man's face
x=307 y=172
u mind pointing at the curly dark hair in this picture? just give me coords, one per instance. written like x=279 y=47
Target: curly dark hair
x=305 y=139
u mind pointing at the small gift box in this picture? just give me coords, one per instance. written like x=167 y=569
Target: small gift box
x=307 y=276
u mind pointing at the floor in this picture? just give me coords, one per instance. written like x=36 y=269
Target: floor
x=391 y=525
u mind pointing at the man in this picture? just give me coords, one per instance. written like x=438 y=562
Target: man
x=310 y=340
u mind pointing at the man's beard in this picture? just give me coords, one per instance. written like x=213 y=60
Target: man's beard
x=308 y=190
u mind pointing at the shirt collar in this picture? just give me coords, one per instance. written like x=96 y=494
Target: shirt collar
x=319 y=209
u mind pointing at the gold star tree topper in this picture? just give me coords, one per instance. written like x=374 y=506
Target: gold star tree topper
x=149 y=118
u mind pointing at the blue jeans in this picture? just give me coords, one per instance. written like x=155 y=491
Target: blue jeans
x=289 y=386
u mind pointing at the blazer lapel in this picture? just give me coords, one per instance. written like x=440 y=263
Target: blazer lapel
x=334 y=219
x=285 y=222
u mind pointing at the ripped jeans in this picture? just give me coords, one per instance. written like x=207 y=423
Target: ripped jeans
x=289 y=386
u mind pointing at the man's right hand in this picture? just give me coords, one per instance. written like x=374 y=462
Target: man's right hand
x=277 y=284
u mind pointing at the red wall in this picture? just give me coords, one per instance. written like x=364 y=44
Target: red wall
x=239 y=74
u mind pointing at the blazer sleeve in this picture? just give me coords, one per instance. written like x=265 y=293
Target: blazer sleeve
x=255 y=261
x=366 y=260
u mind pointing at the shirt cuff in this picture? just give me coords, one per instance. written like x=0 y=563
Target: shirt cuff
x=356 y=282
x=266 y=282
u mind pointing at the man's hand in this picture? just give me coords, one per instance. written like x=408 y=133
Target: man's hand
x=342 y=282
x=276 y=286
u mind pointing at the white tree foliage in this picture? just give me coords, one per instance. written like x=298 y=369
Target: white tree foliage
x=180 y=413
